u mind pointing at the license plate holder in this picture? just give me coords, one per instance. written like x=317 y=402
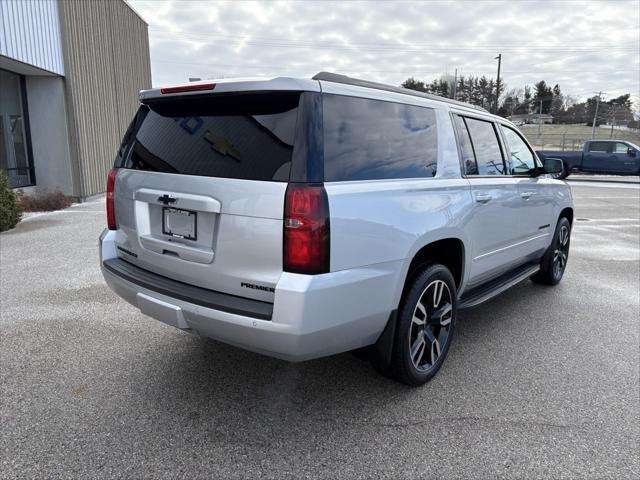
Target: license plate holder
x=180 y=223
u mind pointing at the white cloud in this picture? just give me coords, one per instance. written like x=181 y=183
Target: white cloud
x=583 y=46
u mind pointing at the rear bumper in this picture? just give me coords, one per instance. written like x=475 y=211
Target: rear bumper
x=312 y=315
x=191 y=294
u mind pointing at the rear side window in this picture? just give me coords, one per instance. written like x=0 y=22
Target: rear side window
x=602 y=147
x=372 y=139
x=466 y=149
x=244 y=136
x=486 y=147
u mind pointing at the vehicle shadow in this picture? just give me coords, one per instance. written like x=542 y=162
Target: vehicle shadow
x=228 y=397
x=245 y=398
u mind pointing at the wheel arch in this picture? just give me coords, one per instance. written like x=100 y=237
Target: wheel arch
x=568 y=214
x=448 y=251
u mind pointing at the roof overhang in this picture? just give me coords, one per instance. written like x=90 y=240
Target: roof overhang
x=7 y=63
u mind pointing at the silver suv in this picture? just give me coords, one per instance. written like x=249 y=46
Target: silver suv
x=300 y=218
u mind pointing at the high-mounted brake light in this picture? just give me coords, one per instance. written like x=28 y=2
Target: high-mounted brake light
x=111 y=207
x=198 y=87
x=306 y=229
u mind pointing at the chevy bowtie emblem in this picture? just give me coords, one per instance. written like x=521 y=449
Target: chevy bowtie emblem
x=222 y=145
x=166 y=199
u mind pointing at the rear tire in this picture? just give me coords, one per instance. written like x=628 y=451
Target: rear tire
x=425 y=328
x=554 y=262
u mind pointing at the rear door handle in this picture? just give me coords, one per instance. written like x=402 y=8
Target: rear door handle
x=483 y=197
x=527 y=195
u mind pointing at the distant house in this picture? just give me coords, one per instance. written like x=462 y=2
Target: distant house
x=535 y=118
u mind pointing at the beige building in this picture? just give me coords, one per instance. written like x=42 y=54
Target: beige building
x=70 y=73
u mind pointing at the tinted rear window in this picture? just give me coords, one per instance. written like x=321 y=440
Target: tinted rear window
x=244 y=136
x=372 y=139
x=466 y=149
x=486 y=147
x=599 y=147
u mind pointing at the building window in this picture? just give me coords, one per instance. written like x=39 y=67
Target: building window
x=15 y=147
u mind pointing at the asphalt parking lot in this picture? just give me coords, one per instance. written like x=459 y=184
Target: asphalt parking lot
x=540 y=382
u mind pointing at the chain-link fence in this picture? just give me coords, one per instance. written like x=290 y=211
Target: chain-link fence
x=561 y=142
x=552 y=137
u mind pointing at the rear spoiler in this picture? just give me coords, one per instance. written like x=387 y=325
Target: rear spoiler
x=215 y=87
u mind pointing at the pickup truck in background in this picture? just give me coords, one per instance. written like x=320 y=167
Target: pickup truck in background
x=616 y=157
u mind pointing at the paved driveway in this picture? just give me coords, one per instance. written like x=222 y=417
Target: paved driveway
x=541 y=382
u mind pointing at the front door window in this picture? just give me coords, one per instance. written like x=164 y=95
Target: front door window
x=522 y=159
x=621 y=148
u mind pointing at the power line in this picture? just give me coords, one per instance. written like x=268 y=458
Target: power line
x=414 y=70
x=381 y=47
x=288 y=40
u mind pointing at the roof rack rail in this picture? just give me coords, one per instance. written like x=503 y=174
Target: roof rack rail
x=337 y=78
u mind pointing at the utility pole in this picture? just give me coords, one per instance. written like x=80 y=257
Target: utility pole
x=499 y=58
x=455 y=85
x=539 y=120
x=613 y=119
x=595 y=116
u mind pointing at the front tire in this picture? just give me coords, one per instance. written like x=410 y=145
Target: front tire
x=426 y=323
x=555 y=259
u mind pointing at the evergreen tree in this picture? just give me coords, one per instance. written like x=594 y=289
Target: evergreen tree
x=543 y=97
x=619 y=110
x=475 y=95
x=414 y=84
x=461 y=89
x=443 y=88
x=526 y=104
x=591 y=105
x=557 y=101
x=482 y=91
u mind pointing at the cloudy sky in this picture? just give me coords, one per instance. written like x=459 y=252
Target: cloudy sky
x=583 y=46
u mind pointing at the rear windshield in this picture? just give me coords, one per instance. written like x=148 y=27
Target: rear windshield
x=243 y=136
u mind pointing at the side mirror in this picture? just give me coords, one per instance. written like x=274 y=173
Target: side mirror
x=554 y=167
x=631 y=152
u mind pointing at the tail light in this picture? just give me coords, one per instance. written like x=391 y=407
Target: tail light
x=306 y=229
x=111 y=207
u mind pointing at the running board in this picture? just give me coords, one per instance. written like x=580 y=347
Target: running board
x=495 y=287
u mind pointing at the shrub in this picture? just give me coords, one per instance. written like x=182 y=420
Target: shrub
x=44 y=202
x=10 y=210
